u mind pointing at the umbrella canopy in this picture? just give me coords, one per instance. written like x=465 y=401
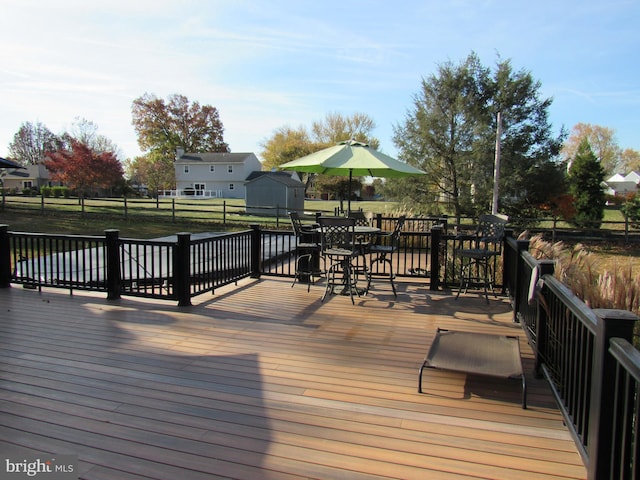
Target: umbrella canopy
x=353 y=159
x=4 y=163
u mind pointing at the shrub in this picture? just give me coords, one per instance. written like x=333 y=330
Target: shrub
x=631 y=210
x=60 y=192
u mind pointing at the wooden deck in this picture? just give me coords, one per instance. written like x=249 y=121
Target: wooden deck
x=262 y=381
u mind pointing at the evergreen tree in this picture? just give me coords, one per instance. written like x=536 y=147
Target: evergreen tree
x=585 y=185
x=450 y=133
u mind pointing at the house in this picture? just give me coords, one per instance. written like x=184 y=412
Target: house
x=213 y=175
x=274 y=193
x=33 y=176
x=618 y=185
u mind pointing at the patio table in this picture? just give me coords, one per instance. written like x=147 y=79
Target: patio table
x=363 y=235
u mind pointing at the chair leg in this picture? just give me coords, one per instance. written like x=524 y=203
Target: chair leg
x=350 y=283
x=465 y=276
x=382 y=258
x=330 y=280
x=483 y=274
x=308 y=271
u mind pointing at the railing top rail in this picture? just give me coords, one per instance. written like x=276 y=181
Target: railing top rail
x=220 y=236
x=627 y=355
x=56 y=235
x=151 y=241
x=572 y=302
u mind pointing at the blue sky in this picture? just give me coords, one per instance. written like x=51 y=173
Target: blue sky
x=266 y=64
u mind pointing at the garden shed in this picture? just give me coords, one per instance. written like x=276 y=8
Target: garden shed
x=274 y=193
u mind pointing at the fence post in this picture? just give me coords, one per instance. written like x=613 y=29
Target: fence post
x=436 y=236
x=42 y=204
x=626 y=228
x=378 y=221
x=113 y=264
x=173 y=210
x=126 y=212
x=224 y=212
x=5 y=257
x=182 y=269
x=255 y=250
x=611 y=323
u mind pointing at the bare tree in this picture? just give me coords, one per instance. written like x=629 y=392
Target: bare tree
x=31 y=143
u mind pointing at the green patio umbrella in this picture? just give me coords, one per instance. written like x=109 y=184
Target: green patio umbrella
x=352 y=159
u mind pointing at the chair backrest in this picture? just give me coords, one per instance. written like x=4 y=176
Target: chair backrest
x=296 y=223
x=490 y=229
x=360 y=218
x=337 y=232
x=395 y=236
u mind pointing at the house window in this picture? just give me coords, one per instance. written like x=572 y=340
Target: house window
x=200 y=188
x=212 y=168
x=230 y=168
x=231 y=186
x=186 y=169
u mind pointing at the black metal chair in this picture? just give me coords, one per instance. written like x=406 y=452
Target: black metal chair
x=485 y=246
x=338 y=250
x=359 y=217
x=307 y=251
x=382 y=252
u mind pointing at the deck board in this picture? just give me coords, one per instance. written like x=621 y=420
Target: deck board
x=262 y=380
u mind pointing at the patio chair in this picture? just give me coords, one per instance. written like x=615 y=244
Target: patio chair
x=307 y=251
x=382 y=253
x=359 y=217
x=338 y=250
x=476 y=261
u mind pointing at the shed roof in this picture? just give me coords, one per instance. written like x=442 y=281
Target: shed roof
x=281 y=177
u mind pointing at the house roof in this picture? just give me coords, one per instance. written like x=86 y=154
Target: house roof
x=616 y=178
x=633 y=177
x=281 y=177
x=221 y=157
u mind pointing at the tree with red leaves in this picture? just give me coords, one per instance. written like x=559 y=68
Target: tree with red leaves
x=84 y=170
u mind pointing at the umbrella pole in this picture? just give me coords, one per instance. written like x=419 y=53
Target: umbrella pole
x=349 y=194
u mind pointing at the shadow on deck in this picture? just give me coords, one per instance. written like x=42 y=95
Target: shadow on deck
x=262 y=380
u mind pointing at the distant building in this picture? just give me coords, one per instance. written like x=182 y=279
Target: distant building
x=620 y=186
x=33 y=176
x=271 y=193
x=212 y=175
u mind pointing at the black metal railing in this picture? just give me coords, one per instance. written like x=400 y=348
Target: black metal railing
x=588 y=358
x=218 y=261
x=625 y=448
x=182 y=267
x=168 y=269
x=68 y=261
x=146 y=268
